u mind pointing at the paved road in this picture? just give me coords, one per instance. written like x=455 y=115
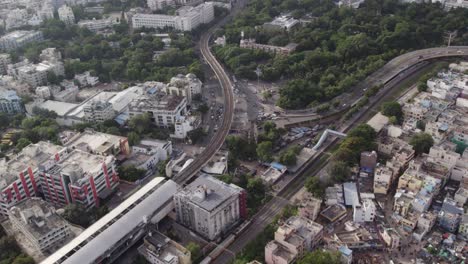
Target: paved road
x=388 y=72
x=228 y=114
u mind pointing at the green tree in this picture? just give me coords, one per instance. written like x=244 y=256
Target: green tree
x=339 y=170
x=131 y=173
x=203 y=108
x=195 y=251
x=363 y=131
x=265 y=151
x=133 y=138
x=140 y=123
x=393 y=109
x=314 y=186
x=196 y=135
x=22 y=143
x=23 y=259
x=320 y=256
x=76 y=214
x=422 y=143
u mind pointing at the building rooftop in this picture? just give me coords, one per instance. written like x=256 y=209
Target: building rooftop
x=333 y=212
x=159 y=100
x=18 y=34
x=301 y=226
x=61 y=108
x=281 y=251
x=164 y=247
x=38 y=217
x=208 y=192
x=31 y=156
x=93 y=141
x=351 y=195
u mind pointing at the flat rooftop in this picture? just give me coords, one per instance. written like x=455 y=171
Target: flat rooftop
x=31 y=156
x=159 y=101
x=40 y=217
x=333 y=212
x=208 y=192
x=94 y=141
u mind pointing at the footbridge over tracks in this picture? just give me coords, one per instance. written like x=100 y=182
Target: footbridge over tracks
x=325 y=135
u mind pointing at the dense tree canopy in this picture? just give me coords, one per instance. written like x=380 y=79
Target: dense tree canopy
x=393 y=109
x=338 y=48
x=422 y=143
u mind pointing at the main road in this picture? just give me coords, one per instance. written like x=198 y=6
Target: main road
x=226 y=85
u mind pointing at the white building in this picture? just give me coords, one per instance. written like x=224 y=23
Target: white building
x=96 y=25
x=66 y=15
x=98 y=111
x=148 y=154
x=38 y=222
x=17 y=39
x=159 y=249
x=164 y=109
x=85 y=79
x=210 y=207
x=10 y=102
x=184 y=125
x=187 y=86
x=36 y=74
x=187 y=18
x=43 y=92
x=5 y=59
x=364 y=212
x=159 y=4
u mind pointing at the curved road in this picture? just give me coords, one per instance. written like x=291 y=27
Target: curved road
x=218 y=139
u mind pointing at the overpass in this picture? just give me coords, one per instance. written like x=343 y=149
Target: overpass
x=397 y=67
x=324 y=136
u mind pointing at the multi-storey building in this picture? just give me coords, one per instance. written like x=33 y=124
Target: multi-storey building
x=17 y=39
x=98 y=111
x=299 y=235
x=210 y=207
x=5 y=59
x=20 y=176
x=36 y=74
x=383 y=179
x=277 y=253
x=98 y=143
x=450 y=215
x=364 y=212
x=163 y=108
x=148 y=154
x=187 y=18
x=96 y=25
x=187 y=86
x=66 y=15
x=10 y=103
x=159 y=249
x=43 y=228
x=463 y=229
x=251 y=44
x=81 y=178
x=160 y=4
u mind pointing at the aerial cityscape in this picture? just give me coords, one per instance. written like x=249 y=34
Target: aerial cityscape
x=233 y=131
